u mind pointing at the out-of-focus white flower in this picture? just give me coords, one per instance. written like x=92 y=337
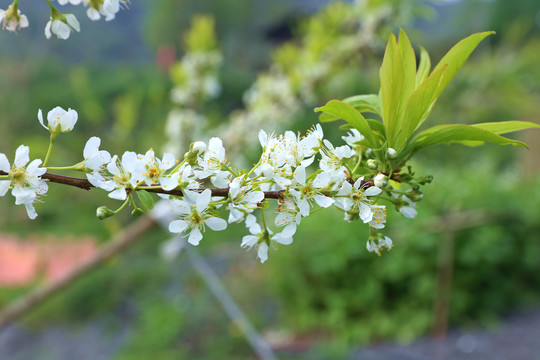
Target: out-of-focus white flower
x=62 y=26
x=376 y=247
x=95 y=159
x=391 y=153
x=12 y=20
x=353 y=137
x=262 y=239
x=193 y=216
x=59 y=120
x=72 y=2
x=409 y=210
x=25 y=180
x=379 y=180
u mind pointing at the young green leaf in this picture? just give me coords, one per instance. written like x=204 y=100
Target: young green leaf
x=362 y=103
x=456 y=57
x=146 y=199
x=446 y=134
x=419 y=106
x=423 y=67
x=346 y=112
x=504 y=127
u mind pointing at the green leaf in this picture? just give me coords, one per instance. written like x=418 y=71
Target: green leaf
x=456 y=57
x=362 y=103
x=352 y=116
x=446 y=134
x=146 y=199
x=419 y=106
x=504 y=127
x=423 y=67
x=376 y=125
x=398 y=79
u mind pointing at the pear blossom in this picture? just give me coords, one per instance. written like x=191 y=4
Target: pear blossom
x=310 y=191
x=26 y=181
x=262 y=239
x=384 y=242
x=107 y=8
x=332 y=161
x=151 y=170
x=353 y=137
x=289 y=214
x=72 y=2
x=194 y=216
x=212 y=162
x=12 y=21
x=95 y=159
x=59 y=120
x=243 y=199
x=120 y=178
x=379 y=180
x=354 y=197
x=408 y=210
x=379 y=216
x=62 y=26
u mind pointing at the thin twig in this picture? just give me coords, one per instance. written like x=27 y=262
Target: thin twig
x=86 y=185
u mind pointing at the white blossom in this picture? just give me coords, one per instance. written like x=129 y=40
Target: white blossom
x=62 y=27
x=305 y=193
x=151 y=170
x=59 y=120
x=243 y=198
x=193 y=216
x=376 y=247
x=262 y=239
x=353 y=137
x=120 y=178
x=95 y=159
x=26 y=181
x=11 y=21
x=379 y=216
x=354 y=198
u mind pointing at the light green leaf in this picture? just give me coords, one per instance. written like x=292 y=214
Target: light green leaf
x=362 y=103
x=446 y=134
x=391 y=78
x=352 y=116
x=419 y=106
x=505 y=127
x=398 y=79
x=146 y=199
x=423 y=67
x=456 y=57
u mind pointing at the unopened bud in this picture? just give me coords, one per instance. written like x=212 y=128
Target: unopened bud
x=372 y=164
x=137 y=212
x=199 y=146
x=425 y=180
x=415 y=196
x=391 y=153
x=379 y=180
x=104 y=212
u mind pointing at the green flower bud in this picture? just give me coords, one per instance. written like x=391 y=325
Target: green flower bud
x=104 y=212
x=391 y=153
x=372 y=164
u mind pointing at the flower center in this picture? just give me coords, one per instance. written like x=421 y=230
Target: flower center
x=154 y=173
x=308 y=192
x=18 y=176
x=122 y=179
x=195 y=218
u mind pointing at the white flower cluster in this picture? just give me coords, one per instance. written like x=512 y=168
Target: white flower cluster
x=61 y=24
x=281 y=173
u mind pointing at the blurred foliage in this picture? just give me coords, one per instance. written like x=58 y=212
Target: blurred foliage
x=326 y=280
x=334 y=284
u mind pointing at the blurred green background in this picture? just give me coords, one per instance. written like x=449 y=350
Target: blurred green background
x=471 y=257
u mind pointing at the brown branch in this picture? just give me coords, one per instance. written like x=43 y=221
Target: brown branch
x=86 y=185
x=119 y=243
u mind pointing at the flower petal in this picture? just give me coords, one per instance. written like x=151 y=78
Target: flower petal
x=195 y=237
x=216 y=223
x=178 y=226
